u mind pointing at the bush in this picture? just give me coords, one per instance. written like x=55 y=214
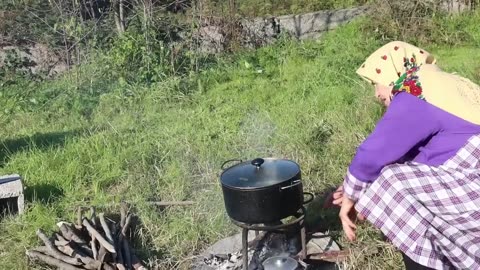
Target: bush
x=422 y=22
x=137 y=57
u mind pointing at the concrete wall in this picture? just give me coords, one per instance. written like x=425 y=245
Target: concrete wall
x=308 y=25
x=260 y=31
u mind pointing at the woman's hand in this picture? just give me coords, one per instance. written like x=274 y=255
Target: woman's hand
x=345 y=212
x=348 y=214
x=334 y=198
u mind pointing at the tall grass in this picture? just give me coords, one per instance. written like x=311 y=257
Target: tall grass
x=88 y=140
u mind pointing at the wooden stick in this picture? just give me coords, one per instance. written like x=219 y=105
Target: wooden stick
x=330 y=256
x=54 y=251
x=61 y=243
x=93 y=217
x=127 y=224
x=93 y=246
x=123 y=214
x=118 y=255
x=84 y=250
x=69 y=234
x=93 y=243
x=126 y=253
x=88 y=262
x=64 y=231
x=73 y=250
x=107 y=266
x=102 y=252
x=77 y=250
x=79 y=217
x=136 y=263
x=60 y=238
x=123 y=243
x=98 y=236
x=113 y=231
x=41 y=249
x=171 y=203
x=105 y=227
x=67 y=250
x=51 y=260
x=92 y=264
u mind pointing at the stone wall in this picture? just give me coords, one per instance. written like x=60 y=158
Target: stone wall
x=38 y=58
x=311 y=24
x=261 y=31
x=458 y=6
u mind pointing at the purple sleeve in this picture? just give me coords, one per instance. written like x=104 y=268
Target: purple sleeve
x=407 y=122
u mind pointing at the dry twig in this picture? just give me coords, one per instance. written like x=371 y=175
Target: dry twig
x=123 y=214
x=172 y=203
x=51 y=260
x=98 y=236
x=93 y=246
x=69 y=251
x=69 y=234
x=79 y=217
x=105 y=228
x=54 y=251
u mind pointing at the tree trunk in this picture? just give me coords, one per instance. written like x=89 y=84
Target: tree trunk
x=119 y=14
x=122 y=14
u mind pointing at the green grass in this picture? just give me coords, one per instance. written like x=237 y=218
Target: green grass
x=84 y=139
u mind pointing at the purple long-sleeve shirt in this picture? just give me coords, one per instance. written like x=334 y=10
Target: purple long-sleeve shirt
x=410 y=130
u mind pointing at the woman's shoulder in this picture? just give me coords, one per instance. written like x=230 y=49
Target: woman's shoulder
x=411 y=108
x=406 y=101
x=407 y=106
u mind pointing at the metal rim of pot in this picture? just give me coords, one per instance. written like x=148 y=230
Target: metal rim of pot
x=249 y=175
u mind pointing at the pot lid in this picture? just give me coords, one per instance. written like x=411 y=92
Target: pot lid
x=280 y=263
x=260 y=172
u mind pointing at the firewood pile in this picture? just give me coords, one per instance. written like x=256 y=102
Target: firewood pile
x=92 y=243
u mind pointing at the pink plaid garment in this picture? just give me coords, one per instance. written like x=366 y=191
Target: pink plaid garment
x=432 y=214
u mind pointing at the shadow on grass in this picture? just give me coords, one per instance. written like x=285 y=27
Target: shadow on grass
x=141 y=245
x=143 y=249
x=320 y=219
x=40 y=141
x=44 y=193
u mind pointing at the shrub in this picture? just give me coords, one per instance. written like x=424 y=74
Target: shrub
x=421 y=22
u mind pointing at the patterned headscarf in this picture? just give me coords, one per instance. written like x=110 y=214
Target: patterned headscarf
x=407 y=68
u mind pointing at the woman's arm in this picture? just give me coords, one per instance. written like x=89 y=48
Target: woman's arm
x=407 y=122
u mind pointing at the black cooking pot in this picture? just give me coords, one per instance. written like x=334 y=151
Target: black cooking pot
x=262 y=190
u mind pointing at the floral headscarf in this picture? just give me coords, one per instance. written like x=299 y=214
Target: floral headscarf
x=407 y=68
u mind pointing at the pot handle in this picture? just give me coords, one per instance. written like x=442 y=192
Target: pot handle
x=295 y=183
x=228 y=161
x=311 y=195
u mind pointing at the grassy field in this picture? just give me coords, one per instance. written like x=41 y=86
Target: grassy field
x=85 y=139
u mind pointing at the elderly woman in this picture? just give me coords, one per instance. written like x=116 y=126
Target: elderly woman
x=417 y=176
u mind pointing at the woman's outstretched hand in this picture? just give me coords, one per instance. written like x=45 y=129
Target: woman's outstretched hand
x=345 y=213
x=335 y=198
x=348 y=214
